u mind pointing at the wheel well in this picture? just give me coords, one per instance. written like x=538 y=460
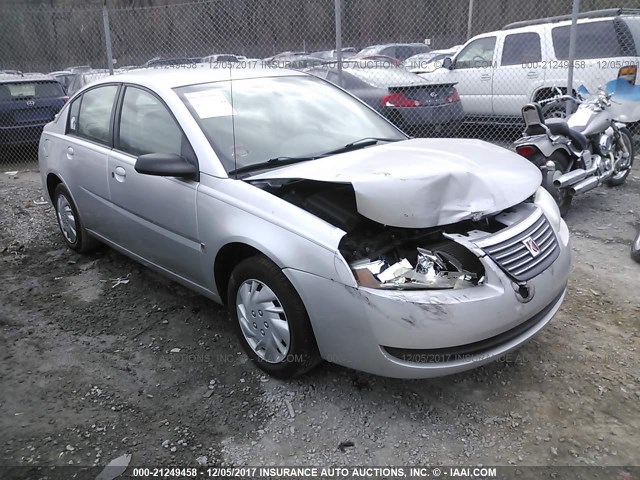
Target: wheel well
x=52 y=182
x=226 y=260
x=545 y=93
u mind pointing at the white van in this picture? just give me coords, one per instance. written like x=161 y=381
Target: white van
x=496 y=73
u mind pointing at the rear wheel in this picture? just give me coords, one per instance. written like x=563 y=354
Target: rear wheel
x=635 y=248
x=73 y=232
x=270 y=319
x=560 y=195
x=624 y=167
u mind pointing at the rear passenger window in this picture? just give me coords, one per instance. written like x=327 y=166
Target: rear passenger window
x=94 y=120
x=74 y=111
x=593 y=40
x=146 y=126
x=520 y=48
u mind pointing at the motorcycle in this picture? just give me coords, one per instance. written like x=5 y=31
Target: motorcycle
x=578 y=153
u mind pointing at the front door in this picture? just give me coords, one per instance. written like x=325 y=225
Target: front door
x=156 y=216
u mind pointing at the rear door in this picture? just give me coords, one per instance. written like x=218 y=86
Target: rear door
x=155 y=216
x=519 y=72
x=83 y=154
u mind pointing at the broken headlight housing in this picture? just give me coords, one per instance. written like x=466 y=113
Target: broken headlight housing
x=433 y=270
x=546 y=202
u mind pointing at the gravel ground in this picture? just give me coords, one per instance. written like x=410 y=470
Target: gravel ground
x=92 y=369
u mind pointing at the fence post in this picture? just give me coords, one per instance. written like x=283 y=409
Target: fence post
x=470 y=19
x=107 y=36
x=572 y=51
x=338 y=14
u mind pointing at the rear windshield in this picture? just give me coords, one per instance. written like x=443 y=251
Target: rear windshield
x=18 y=90
x=602 y=39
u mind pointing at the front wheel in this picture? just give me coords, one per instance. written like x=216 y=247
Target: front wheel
x=624 y=165
x=635 y=249
x=560 y=195
x=270 y=319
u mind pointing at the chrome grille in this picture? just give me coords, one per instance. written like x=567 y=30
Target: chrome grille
x=516 y=259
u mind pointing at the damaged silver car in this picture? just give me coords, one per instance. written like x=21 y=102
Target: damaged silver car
x=324 y=229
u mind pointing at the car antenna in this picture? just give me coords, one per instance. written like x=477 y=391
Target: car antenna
x=233 y=121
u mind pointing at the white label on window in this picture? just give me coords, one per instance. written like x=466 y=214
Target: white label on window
x=210 y=103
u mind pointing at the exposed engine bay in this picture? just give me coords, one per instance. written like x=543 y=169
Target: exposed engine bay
x=388 y=257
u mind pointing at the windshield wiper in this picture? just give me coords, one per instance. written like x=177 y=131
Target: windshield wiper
x=280 y=161
x=363 y=142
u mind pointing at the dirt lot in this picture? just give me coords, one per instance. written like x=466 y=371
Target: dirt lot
x=87 y=372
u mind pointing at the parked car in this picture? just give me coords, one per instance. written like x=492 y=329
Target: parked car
x=404 y=98
x=158 y=62
x=27 y=103
x=296 y=62
x=379 y=60
x=72 y=81
x=283 y=203
x=399 y=51
x=347 y=52
x=221 y=57
x=497 y=73
x=430 y=61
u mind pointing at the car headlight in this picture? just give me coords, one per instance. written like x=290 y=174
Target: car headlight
x=546 y=202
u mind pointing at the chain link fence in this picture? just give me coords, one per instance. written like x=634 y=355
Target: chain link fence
x=447 y=68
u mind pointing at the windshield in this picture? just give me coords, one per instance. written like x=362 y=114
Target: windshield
x=293 y=116
x=19 y=90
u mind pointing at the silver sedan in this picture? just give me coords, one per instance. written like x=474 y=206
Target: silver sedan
x=324 y=229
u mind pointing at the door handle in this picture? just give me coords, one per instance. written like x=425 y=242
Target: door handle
x=119 y=174
x=532 y=75
x=485 y=76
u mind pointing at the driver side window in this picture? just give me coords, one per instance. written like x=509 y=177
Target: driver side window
x=477 y=54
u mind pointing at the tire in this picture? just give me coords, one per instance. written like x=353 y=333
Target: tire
x=635 y=248
x=561 y=196
x=73 y=232
x=621 y=177
x=263 y=326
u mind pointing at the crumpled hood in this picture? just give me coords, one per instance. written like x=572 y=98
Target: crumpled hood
x=423 y=183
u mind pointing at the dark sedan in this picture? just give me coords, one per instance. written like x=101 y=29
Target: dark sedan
x=403 y=97
x=27 y=103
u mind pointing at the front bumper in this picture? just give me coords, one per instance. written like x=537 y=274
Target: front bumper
x=405 y=334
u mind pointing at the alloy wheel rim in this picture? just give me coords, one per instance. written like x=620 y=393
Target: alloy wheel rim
x=263 y=321
x=620 y=173
x=66 y=219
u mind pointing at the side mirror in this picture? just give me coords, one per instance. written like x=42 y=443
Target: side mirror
x=165 y=165
x=447 y=63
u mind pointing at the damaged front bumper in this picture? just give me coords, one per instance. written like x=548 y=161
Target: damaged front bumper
x=429 y=333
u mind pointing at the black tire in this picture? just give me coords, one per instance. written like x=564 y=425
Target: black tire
x=560 y=195
x=628 y=139
x=635 y=248
x=302 y=352
x=82 y=242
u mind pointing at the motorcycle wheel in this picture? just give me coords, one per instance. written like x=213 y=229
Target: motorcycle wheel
x=560 y=195
x=620 y=177
x=635 y=248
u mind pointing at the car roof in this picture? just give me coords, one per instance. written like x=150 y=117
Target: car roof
x=26 y=77
x=201 y=73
